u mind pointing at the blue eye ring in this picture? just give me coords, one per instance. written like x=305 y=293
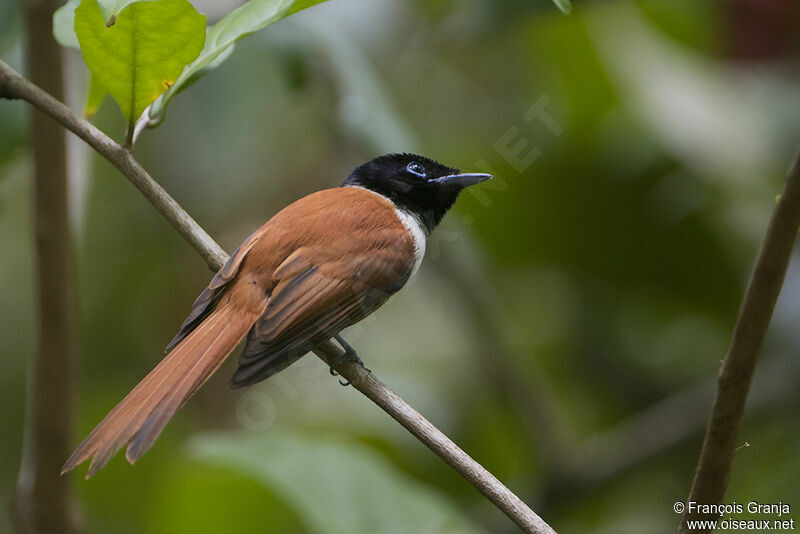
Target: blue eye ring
x=416 y=169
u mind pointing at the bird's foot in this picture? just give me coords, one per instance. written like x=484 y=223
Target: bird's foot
x=349 y=355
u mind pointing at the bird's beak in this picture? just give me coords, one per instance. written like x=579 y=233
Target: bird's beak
x=464 y=180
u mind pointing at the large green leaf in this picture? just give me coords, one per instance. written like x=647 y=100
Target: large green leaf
x=64 y=18
x=112 y=8
x=336 y=486
x=142 y=54
x=241 y=22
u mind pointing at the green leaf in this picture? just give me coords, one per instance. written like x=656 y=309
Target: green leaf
x=94 y=98
x=336 y=486
x=241 y=22
x=64 y=19
x=564 y=6
x=112 y=8
x=300 y=5
x=143 y=53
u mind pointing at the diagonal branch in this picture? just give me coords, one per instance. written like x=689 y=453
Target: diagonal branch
x=736 y=374
x=367 y=383
x=12 y=85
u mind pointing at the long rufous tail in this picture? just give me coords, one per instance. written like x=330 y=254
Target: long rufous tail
x=139 y=418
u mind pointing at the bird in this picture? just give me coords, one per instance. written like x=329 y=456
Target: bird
x=318 y=266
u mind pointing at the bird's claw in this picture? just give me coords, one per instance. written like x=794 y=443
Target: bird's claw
x=349 y=355
x=333 y=372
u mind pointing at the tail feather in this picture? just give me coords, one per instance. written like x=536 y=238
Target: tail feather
x=141 y=416
x=119 y=426
x=201 y=370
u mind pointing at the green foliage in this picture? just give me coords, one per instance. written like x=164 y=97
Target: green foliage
x=112 y=8
x=689 y=22
x=198 y=497
x=152 y=54
x=605 y=275
x=336 y=486
x=64 y=18
x=152 y=43
x=241 y=22
x=97 y=92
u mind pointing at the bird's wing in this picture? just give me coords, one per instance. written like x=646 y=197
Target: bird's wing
x=208 y=299
x=314 y=298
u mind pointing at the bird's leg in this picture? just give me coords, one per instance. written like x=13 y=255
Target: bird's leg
x=349 y=355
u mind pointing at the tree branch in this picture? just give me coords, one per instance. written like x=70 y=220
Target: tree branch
x=43 y=501
x=736 y=374
x=367 y=383
x=529 y=396
x=12 y=85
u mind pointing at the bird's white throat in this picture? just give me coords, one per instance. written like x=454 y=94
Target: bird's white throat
x=415 y=228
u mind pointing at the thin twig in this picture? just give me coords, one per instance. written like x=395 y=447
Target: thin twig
x=736 y=374
x=12 y=85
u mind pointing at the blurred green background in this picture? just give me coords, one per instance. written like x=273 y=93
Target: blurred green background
x=567 y=325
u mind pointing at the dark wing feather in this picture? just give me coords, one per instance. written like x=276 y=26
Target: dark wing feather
x=208 y=299
x=312 y=301
x=267 y=359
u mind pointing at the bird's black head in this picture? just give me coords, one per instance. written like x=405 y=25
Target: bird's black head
x=416 y=184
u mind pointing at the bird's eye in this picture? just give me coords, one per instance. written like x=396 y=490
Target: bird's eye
x=416 y=169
